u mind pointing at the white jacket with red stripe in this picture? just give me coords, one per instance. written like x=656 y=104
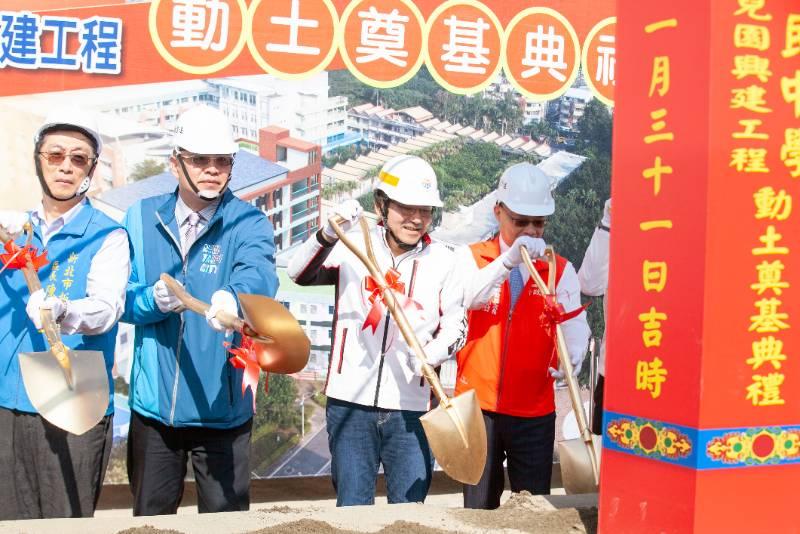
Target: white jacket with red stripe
x=372 y=368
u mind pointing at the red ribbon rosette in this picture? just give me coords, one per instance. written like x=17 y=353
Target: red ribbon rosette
x=245 y=357
x=392 y=278
x=554 y=314
x=17 y=257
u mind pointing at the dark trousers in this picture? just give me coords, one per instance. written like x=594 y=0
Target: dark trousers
x=527 y=443
x=157 y=464
x=597 y=414
x=47 y=472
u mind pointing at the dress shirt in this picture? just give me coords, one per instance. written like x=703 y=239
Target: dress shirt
x=182 y=212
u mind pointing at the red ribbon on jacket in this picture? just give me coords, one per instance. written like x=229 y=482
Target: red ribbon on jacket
x=375 y=291
x=16 y=257
x=245 y=357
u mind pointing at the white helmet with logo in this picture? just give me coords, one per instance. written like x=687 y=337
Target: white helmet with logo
x=204 y=130
x=71 y=118
x=409 y=180
x=525 y=190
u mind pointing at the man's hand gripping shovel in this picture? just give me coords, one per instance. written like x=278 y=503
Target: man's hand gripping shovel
x=455 y=429
x=67 y=387
x=278 y=340
x=579 y=458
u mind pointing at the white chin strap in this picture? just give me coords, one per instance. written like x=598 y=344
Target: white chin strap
x=208 y=195
x=84 y=186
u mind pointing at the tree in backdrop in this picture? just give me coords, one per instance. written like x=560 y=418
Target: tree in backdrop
x=145 y=169
x=580 y=198
x=277 y=407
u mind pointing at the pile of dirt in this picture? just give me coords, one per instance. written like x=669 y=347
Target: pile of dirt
x=531 y=513
x=310 y=526
x=148 y=529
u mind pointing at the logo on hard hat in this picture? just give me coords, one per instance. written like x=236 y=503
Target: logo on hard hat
x=427 y=183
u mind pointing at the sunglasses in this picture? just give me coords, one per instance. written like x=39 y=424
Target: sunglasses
x=522 y=222
x=57 y=158
x=205 y=161
x=408 y=211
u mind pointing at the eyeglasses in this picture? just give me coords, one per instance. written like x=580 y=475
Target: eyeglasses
x=524 y=222
x=223 y=162
x=408 y=211
x=57 y=158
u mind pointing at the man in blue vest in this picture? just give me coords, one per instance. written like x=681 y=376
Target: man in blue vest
x=186 y=399
x=46 y=471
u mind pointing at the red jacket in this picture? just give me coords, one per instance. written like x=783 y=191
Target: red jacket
x=507 y=353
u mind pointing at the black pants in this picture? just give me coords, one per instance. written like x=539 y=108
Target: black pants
x=47 y=472
x=597 y=415
x=527 y=443
x=157 y=463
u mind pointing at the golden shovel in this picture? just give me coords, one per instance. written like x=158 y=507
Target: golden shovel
x=579 y=458
x=281 y=345
x=67 y=387
x=455 y=429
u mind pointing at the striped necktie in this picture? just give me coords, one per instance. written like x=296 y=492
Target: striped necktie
x=190 y=230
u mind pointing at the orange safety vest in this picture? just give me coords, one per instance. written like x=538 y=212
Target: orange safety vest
x=507 y=353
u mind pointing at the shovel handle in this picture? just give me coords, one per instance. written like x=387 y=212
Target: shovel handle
x=228 y=320
x=49 y=326
x=391 y=303
x=563 y=355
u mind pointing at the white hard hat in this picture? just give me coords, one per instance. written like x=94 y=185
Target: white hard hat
x=409 y=180
x=525 y=190
x=204 y=130
x=71 y=118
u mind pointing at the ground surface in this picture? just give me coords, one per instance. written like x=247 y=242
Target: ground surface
x=441 y=514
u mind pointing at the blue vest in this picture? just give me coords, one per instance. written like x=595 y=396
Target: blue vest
x=70 y=252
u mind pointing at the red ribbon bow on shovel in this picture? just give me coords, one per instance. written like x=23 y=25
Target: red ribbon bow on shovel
x=17 y=257
x=554 y=314
x=376 y=298
x=245 y=357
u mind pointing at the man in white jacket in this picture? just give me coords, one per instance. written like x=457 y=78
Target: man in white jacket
x=593 y=276
x=376 y=392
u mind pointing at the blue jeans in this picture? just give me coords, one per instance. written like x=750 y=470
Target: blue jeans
x=361 y=438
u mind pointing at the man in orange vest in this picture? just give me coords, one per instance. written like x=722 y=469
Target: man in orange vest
x=509 y=358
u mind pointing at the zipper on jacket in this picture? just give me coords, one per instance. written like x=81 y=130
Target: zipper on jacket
x=177 y=363
x=503 y=357
x=383 y=357
x=341 y=351
x=180 y=330
x=383 y=343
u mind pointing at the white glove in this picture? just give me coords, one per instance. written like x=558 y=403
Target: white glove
x=606 y=220
x=38 y=302
x=577 y=362
x=413 y=362
x=13 y=221
x=221 y=301
x=166 y=299
x=349 y=210
x=535 y=246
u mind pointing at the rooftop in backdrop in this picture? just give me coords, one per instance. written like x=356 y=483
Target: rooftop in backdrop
x=249 y=171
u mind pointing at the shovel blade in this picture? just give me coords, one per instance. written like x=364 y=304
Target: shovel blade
x=576 y=467
x=457 y=437
x=75 y=409
x=288 y=351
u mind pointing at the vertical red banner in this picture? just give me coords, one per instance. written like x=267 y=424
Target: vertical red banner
x=702 y=431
